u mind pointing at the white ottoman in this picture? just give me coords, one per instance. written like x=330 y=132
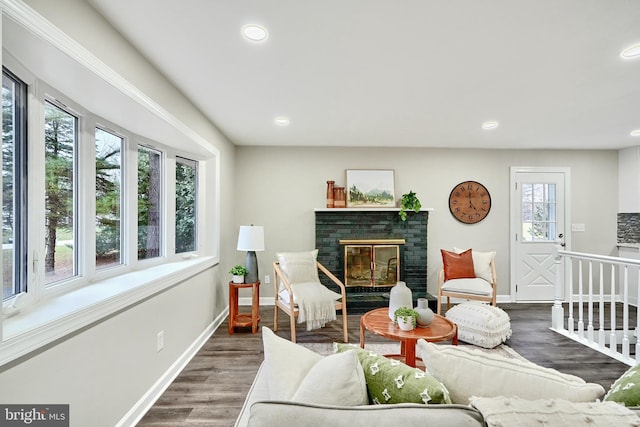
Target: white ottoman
x=480 y=324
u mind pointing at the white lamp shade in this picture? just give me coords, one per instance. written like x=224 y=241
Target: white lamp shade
x=251 y=238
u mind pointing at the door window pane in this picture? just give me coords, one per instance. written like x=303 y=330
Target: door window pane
x=60 y=131
x=538 y=213
x=149 y=202
x=186 y=204
x=14 y=185
x=108 y=199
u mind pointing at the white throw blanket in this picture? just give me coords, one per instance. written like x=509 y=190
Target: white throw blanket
x=316 y=304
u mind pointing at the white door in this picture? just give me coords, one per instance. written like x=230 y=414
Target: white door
x=539 y=211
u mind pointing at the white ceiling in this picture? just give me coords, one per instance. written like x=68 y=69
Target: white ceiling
x=400 y=73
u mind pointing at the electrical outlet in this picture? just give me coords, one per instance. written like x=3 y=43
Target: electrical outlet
x=267 y=279
x=160 y=341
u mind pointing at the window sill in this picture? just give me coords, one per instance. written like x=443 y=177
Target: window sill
x=67 y=313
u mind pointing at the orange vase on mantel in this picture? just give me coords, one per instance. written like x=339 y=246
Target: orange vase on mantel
x=339 y=198
x=330 y=201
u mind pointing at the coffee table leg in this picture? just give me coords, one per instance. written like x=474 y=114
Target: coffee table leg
x=361 y=333
x=410 y=352
x=454 y=340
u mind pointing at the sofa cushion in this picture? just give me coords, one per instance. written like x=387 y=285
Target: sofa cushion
x=472 y=372
x=626 y=389
x=481 y=263
x=288 y=365
x=390 y=381
x=480 y=324
x=513 y=411
x=457 y=266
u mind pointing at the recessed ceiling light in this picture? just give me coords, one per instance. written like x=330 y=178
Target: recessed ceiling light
x=631 y=51
x=281 y=121
x=489 y=125
x=635 y=132
x=255 y=33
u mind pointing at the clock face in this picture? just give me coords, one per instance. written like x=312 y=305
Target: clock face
x=469 y=202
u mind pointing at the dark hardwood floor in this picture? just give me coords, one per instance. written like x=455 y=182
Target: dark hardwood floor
x=211 y=389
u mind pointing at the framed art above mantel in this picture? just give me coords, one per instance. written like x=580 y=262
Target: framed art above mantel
x=370 y=188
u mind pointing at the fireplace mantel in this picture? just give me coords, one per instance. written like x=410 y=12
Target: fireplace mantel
x=365 y=209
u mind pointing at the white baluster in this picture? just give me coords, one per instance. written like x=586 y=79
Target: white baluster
x=613 y=345
x=625 y=313
x=590 y=298
x=580 y=302
x=601 y=334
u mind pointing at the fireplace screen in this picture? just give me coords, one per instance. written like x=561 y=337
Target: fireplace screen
x=371 y=265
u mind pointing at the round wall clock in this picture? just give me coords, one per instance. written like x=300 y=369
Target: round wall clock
x=469 y=202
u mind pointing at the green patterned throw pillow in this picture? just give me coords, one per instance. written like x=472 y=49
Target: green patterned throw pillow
x=390 y=381
x=626 y=389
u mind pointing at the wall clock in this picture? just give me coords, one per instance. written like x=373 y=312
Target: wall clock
x=469 y=202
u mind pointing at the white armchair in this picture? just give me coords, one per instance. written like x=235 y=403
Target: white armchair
x=468 y=275
x=300 y=294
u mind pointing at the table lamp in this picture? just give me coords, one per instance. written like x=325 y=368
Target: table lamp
x=251 y=239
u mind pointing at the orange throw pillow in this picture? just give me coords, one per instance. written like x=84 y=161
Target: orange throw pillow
x=457 y=266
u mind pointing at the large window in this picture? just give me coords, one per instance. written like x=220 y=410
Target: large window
x=14 y=185
x=186 y=205
x=60 y=138
x=149 y=202
x=108 y=199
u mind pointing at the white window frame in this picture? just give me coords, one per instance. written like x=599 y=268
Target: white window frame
x=66 y=308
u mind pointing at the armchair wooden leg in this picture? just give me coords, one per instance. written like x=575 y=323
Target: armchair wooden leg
x=439 y=304
x=275 y=317
x=344 y=325
x=293 y=327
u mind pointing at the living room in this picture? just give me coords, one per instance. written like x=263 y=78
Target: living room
x=277 y=186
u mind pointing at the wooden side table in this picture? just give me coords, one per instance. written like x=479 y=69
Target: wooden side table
x=244 y=319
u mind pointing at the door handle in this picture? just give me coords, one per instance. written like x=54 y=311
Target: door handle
x=562 y=243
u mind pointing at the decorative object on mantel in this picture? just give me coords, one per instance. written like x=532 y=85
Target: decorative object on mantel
x=405 y=318
x=339 y=198
x=238 y=273
x=425 y=315
x=370 y=188
x=400 y=296
x=409 y=202
x=469 y=202
x=251 y=239
x=330 y=193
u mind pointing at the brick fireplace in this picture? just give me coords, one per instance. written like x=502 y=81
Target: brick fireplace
x=336 y=225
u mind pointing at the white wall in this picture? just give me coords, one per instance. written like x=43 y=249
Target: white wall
x=103 y=371
x=279 y=188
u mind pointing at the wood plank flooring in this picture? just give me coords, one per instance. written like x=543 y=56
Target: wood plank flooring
x=211 y=389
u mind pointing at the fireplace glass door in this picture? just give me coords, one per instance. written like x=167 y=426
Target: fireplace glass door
x=372 y=265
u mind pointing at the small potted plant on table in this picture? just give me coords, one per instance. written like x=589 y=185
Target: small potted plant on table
x=405 y=318
x=238 y=272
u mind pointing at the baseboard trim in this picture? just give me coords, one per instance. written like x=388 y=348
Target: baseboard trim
x=135 y=414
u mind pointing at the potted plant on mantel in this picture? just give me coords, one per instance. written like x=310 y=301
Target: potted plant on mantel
x=409 y=202
x=405 y=318
x=238 y=272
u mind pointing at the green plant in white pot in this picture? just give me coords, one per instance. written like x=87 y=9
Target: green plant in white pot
x=405 y=318
x=238 y=272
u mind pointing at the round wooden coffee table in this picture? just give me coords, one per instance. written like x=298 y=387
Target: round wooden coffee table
x=378 y=322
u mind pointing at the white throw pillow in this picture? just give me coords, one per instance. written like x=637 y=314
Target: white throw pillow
x=480 y=324
x=511 y=411
x=296 y=373
x=471 y=372
x=481 y=263
x=337 y=379
x=299 y=267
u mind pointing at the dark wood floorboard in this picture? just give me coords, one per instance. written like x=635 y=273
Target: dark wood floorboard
x=211 y=389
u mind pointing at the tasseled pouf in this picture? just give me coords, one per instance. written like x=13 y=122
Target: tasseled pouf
x=480 y=324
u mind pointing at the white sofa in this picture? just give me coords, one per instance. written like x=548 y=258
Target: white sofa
x=475 y=381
